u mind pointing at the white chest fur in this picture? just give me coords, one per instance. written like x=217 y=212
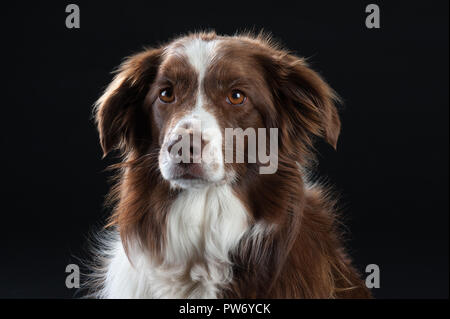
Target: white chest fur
x=203 y=226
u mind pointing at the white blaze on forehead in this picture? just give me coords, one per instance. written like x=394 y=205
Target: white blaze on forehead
x=200 y=54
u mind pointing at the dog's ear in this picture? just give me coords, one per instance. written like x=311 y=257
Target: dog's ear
x=306 y=99
x=117 y=111
x=315 y=100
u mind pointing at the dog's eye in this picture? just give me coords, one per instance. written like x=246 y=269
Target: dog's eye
x=166 y=95
x=236 y=97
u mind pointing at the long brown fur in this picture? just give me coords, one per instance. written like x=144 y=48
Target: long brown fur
x=303 y=257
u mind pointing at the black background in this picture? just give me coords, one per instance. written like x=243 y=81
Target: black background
x=392 y=161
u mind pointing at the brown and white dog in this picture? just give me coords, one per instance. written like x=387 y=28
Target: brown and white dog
x=214 y=229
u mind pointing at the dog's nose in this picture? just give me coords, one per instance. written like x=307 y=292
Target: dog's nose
x=186 y=144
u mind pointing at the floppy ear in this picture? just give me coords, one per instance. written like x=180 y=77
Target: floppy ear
x=315 y=99
x=307 y=100
x=118 y=112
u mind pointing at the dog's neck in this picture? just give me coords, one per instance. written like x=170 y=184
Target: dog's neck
x=203 y=226
x=204 y=223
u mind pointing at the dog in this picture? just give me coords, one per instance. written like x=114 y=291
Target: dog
x=214 y=228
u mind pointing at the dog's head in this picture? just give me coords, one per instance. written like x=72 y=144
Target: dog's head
x=179 y=100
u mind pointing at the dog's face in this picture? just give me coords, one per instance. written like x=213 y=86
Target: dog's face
x=178 y=100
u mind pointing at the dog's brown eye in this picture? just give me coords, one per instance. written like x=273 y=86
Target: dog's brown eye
x=167 y=95
x=236 y=97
